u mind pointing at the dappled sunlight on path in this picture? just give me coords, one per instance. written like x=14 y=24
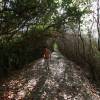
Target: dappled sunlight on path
x=20 y=84
x=63 y=81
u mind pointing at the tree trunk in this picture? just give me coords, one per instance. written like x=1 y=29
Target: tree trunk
x=82 y=40
x=98 y=24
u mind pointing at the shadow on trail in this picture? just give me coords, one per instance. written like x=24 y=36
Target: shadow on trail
x=39 y=87
x=58 y=81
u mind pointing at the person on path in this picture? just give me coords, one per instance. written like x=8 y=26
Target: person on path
x=47 y=57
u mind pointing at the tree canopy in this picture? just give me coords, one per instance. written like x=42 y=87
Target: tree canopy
x=21 y=14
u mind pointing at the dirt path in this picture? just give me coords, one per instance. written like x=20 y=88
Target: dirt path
x=64 y=81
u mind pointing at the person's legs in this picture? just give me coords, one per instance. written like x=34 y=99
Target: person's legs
x=46 y=64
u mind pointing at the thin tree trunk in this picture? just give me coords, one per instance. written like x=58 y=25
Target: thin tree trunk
x=98 y=24
x=83 y=44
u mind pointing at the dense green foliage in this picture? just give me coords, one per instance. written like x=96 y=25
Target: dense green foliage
x=26 y=25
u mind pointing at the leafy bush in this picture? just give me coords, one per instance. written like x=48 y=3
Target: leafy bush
x=19 y=52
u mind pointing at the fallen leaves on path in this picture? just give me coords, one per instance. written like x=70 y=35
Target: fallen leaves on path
x=64 y=81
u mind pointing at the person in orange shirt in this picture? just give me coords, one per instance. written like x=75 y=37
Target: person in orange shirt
x=47 y=57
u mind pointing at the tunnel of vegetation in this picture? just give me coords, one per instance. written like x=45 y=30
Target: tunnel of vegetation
x=27 y=25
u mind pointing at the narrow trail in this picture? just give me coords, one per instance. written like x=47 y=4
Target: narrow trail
x=64 y=81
